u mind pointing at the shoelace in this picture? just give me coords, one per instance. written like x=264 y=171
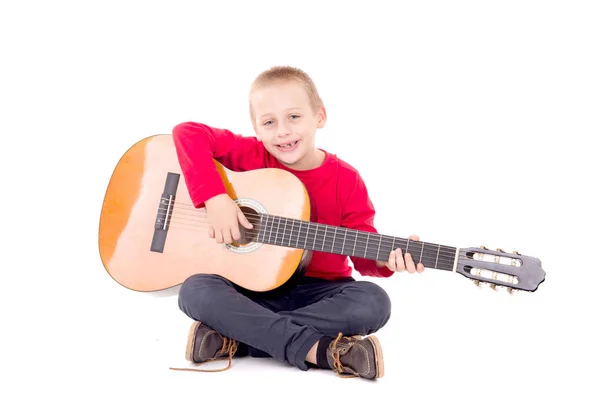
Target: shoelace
x=229 y=345
x=337 y=364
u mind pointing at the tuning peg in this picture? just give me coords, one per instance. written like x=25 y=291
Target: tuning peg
x=483 y=247
x=477 y=283
x=500 y=250
x=510 y=290
x=516 y=252
x=494 y=276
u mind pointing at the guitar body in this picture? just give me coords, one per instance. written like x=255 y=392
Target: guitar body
x=143 y=253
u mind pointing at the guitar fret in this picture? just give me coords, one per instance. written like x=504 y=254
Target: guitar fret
x=334 y=233
x=284 y=232
x=344 y=242
x=324 y=236
x=262 y=226
x=271 y=229
x=291 y=234
x=367 y=245
x=315 y=239
x=277 y=231
x=277 y=234
x=422 y=246
x=378 y=247
x=437 y=256
x=307 y=231
x=355 y=240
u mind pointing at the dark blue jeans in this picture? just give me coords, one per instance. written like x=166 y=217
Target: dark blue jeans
x=286 y=322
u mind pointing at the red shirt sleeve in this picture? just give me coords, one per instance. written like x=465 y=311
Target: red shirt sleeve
x=198 y=144
x=359 y=213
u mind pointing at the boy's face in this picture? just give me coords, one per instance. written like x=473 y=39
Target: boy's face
x=286 y=123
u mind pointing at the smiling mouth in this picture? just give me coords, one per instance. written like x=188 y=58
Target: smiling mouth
x=287 y=146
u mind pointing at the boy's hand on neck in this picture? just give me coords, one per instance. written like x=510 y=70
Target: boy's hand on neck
x=397 y=263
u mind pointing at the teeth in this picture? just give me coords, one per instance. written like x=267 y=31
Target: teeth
x=289 y=145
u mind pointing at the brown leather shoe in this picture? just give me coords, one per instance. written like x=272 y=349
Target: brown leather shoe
x=351 y=357
x=204 y=344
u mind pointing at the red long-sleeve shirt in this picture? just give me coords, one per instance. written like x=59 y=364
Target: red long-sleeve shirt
x=337 y=192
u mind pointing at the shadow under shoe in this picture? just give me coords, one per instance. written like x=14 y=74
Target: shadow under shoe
x=352 y=357
x=205 y=344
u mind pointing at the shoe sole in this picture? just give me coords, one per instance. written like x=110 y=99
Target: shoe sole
x=378 y=356
x=189 y=348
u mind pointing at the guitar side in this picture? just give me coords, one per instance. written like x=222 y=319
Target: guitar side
x=132 y=203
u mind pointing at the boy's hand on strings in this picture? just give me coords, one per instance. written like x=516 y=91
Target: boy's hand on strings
x=223 y=216
x=398 y=263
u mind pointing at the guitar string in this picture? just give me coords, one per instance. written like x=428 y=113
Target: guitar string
x=385 y=240
x=449 y=251
x=421 y=252
x=452 y=254
x=448 y=266
x=329 y=239
x=461 y=257
x=270 y=219
x=370 y=254
x=196 y=228
x=361 y=239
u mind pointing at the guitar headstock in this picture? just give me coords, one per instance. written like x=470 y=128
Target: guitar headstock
x=498 y=268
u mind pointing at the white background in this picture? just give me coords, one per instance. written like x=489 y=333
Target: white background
x=482 y=116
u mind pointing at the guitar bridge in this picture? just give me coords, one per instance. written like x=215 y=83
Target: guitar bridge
x=164 y=212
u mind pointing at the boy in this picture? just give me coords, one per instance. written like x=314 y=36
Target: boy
x=321 y=320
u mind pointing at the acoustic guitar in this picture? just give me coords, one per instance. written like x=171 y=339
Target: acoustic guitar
x=151 y=237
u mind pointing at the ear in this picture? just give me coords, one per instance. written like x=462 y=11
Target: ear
x=321 y=117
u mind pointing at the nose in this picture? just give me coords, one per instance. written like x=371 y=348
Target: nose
x=284 y=129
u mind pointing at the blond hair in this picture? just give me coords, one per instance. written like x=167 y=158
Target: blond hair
x=286 y=74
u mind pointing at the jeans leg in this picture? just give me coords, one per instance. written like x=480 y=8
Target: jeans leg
x=350 y=307
x=216 y=302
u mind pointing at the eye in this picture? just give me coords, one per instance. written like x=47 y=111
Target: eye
x=294 y=116
x=267 y=123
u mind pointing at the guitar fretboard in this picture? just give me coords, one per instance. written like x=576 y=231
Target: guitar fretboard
x=299 y=234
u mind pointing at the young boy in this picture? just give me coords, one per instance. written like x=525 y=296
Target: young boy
x=319 y=321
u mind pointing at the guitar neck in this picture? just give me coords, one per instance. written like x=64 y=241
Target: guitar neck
x=299 y=234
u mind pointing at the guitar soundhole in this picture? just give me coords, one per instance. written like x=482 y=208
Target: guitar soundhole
x=249 y=235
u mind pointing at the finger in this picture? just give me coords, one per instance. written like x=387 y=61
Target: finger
x=211 y=232
x=399 y=261
x=414 y=238
x=420 y=268
x=243 y=220
x=235 y=232
x=410 y=265
x=391 y=264
x=227 y=236
x=218 y=236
